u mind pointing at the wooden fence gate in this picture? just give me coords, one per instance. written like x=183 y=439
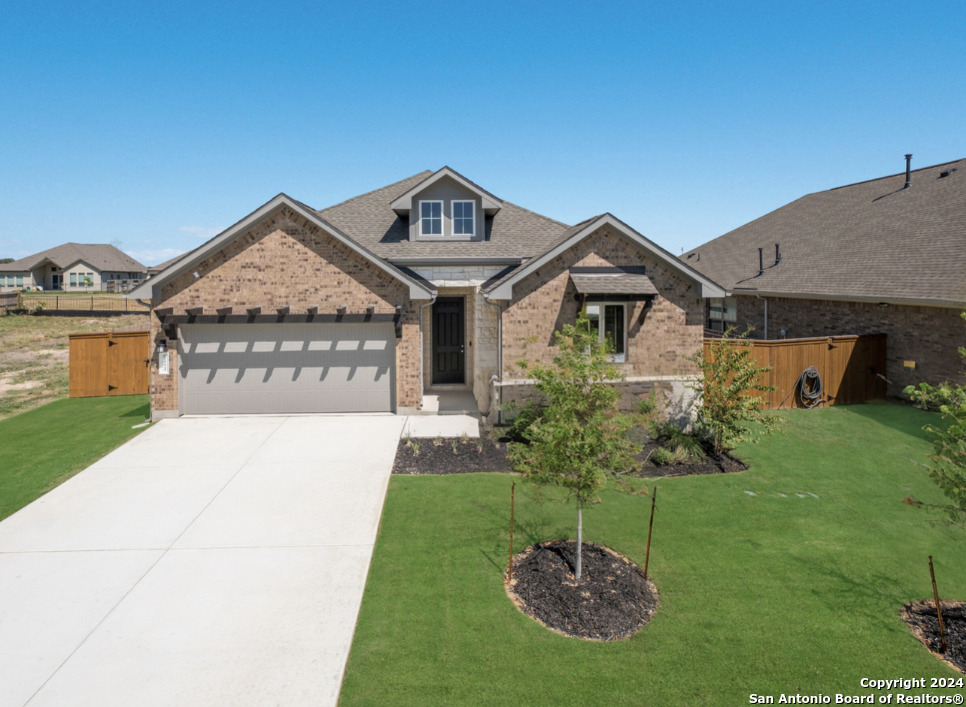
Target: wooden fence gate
x=850 y=367
x=108 y=363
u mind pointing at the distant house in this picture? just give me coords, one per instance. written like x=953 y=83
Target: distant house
x=74 y=267
x=886 y=255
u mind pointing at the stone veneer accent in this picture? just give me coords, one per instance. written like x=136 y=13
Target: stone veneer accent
x=458 y=275
x=927 y=335
x=659 y=339
x=285 y=261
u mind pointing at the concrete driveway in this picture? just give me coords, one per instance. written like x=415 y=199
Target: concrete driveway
x=209 y=561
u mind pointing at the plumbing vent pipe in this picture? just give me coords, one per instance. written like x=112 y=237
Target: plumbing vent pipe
x=778 y=254
x=908 y=172
x=761 y=262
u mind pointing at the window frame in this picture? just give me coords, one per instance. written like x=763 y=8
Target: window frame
x=472 y=218
x=722 y=312
x=424 y=219
x=614 y=357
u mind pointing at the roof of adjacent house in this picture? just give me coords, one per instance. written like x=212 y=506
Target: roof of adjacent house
x=870 y=241
x=166 y=264
x=102 y=256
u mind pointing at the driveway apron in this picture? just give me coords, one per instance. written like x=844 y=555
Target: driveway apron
x=208 y=561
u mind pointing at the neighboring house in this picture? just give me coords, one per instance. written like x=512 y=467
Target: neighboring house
x=429 y=284
x=76 y=267
x=161 y=267
x=886 y=255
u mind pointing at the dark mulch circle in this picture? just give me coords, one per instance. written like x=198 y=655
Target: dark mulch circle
x=921 y=617
x=710 y=464
x=611 y=601
x=439 y=455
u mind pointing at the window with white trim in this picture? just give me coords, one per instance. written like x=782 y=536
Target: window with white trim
x=431 y=218
x=608 y=320
x=722 y=313
x=464 y=218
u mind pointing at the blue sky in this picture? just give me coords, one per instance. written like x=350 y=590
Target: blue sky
x=158 y=125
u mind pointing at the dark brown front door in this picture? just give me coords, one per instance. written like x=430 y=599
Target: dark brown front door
x=449 y=356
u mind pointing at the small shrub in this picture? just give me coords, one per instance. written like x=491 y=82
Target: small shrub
x=525 y=417
x=687 y=447
x=662 y=456
x=947 y=466
x=731 y=379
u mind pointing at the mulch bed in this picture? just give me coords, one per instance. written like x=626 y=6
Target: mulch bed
x=437 y=455
x=611 y=601
x=710 y=464
x=921 y=617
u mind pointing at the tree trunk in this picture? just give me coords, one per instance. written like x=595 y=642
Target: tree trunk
x=580 y=530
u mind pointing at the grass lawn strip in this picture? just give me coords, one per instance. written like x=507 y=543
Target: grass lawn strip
x=42 y=448
x=796 y=589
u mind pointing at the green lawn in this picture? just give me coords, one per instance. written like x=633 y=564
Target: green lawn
x=42 y=448
x=769 y=594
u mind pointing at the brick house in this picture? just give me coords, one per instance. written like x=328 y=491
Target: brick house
x=429 y=284
x=882 y=256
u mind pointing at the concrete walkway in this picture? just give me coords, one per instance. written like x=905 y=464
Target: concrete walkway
x=209 y=561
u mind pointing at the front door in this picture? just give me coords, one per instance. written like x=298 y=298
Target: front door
x=449 y=354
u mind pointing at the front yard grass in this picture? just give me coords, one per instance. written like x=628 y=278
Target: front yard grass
x=42 y=448
x=796 y=589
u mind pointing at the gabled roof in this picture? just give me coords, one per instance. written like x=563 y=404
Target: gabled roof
x=417 y=290
x=514 y=232
x=102 y=256
x=161 y=267
x=403 y=203
x=503 y=289
x=871 y=241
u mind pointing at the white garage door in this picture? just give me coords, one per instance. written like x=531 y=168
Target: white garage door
x=286 y=368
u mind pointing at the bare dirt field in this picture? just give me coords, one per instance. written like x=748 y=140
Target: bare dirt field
x=34 y=351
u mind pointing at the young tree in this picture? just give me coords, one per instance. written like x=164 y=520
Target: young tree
x=731 y=379
x=579 y=437
x=947 y=466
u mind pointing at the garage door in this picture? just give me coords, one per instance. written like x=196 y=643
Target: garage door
x=286 y=368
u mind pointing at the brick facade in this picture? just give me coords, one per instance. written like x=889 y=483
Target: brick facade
x=927 y=336
x=659 y=338
x=285 y=261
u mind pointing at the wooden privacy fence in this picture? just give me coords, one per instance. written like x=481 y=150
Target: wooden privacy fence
x=850 y=367
x=109 y=363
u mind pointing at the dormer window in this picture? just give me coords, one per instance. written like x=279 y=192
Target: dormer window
x=464 y=219
x=431 y=218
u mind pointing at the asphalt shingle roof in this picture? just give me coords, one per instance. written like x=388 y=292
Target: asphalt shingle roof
x=102 y=256
x=513 y=232
x=871 y=240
